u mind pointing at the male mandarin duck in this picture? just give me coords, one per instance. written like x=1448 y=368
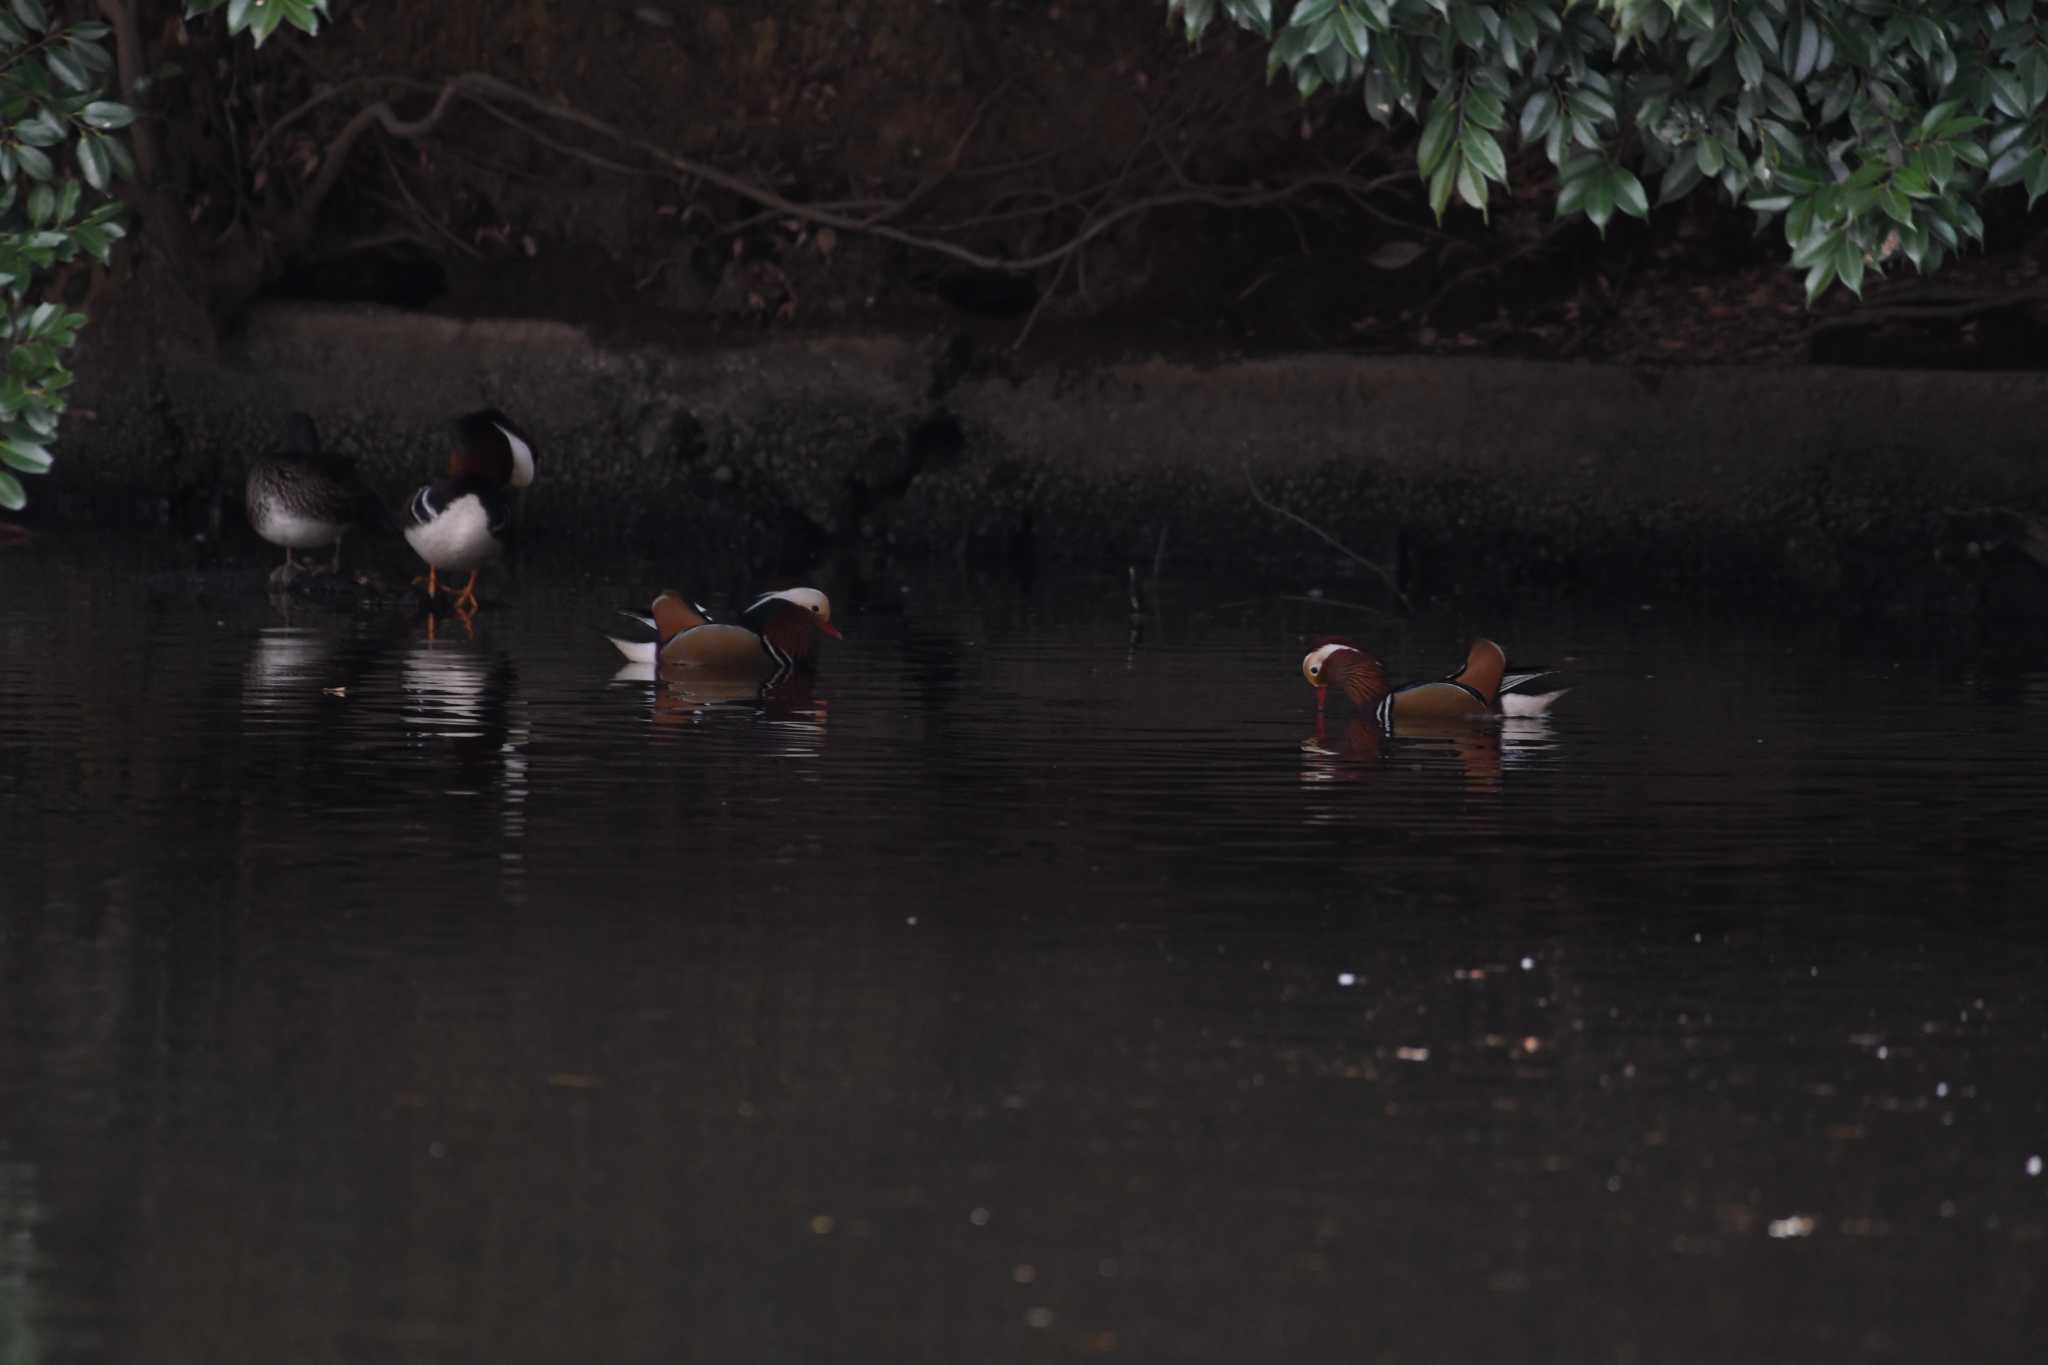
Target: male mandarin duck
x=301 y=499
x=457 y=522
x=1483 y=686
x=778 y=632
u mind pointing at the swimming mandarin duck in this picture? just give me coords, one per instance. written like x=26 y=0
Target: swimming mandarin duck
x=302 y=500
x=778 y=632
x=458 y=522
x=1483 y=686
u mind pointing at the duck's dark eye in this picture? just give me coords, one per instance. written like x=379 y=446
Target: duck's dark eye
x=814 y=609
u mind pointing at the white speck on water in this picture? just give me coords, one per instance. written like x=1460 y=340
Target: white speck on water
x=910 y=920
x=1614 y=1184
x=1948 y=1208
x=979 y=1217
x=2033 y=1165
x=1024 y=1274
x=1038 y=1317
x=436 y=1150
x=1883 y=1052
x=1108 y=1268
x=1528 y=964
x=1347 y=979
x=1941 y=1090
x=1412 y=1054
x=1798 y=1225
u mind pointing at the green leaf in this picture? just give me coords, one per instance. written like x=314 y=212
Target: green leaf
x=107 y=115
x=1437 y=132
x=1818 y=278
x=1895 y=204
x=1679 y=180
x=1934 y=117
x=42 y=204
x=1471 y=185
x=1482 y=151
x=67 y=69
x=35 y=162
x=92 y=160
x=1600 y=200
x=43 y=129
x=32 y=17
x=28 y=458
x=1537 y=115
x=1628 y=193
x=1354 y=33
x=11 y=495
x=1441 y=183
x=2009 y=95
x=1806 y=55
x=1486 y=109
x=2036 y=176
x=1941 y=164
x=1591 y=105
x=2009 y=166
x=1849 y=266
x=1749 y=65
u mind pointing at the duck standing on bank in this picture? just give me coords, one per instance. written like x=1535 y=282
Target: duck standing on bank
x=1483 y=686
x=302 y=499
x=458 y=522
x=778 y=632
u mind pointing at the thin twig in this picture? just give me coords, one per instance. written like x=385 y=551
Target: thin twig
x=1328 y=539
x=1039 y=307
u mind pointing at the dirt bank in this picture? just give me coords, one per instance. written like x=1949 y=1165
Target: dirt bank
x=1886 y=489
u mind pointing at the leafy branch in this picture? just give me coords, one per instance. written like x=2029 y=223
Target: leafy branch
x=1869 y=131
x=62 y=152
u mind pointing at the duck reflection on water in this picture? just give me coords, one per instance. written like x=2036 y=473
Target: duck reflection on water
x=1482 y=750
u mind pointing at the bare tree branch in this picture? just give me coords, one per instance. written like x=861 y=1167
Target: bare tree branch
x=1328 y=539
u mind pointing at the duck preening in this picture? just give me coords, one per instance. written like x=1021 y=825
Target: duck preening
x=459 y=522
x=1481 y=686
x=301 y=499
x=777 y=632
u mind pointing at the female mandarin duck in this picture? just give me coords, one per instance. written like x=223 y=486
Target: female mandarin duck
x=1482 y=687
x=301 y=499
x=777 y=633
x=457 y=522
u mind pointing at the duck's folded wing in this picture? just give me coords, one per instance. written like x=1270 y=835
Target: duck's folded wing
x=640 y=642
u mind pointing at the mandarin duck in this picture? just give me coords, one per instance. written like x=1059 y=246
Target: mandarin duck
x=458 y=522
x=778 y=632
x=1482 y=686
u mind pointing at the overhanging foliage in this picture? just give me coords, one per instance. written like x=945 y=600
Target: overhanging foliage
x=1870 y=128
x=61 y=153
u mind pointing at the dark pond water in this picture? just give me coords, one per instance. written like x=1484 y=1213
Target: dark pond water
x=1024 y=993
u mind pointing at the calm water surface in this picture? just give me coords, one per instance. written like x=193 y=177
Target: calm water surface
x=1023 y=992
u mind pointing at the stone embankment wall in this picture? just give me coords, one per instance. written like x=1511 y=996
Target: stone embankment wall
x=1888 y=488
